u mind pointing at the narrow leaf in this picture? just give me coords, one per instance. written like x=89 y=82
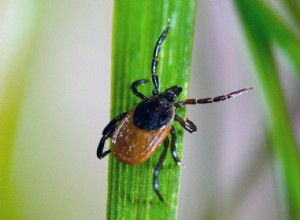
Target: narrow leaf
x=262 y=28
x=137 y=26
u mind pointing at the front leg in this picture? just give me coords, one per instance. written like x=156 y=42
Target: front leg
x=134 y=89
x=107 y=132
x=230 y=95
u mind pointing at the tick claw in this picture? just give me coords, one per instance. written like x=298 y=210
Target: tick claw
x=180 y=164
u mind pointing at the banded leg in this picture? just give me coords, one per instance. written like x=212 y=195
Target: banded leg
x=211 y=100
x=107 y=132
x=134 y=89
x=154 y=64
x=186 y=124
x=157 y=170
x=173 y=146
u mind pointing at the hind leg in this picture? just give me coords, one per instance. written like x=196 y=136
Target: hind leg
x=107 y=132
x=157 y=170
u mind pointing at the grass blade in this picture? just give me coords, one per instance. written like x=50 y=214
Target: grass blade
x=137 y=26
x=262 y=28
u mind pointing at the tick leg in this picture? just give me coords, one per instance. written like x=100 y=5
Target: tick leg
x=113 y=122
x=134 y=86
x=211 y=100
x=159 y=42
x=107 y=132
x=100 y=153
x=186 y=124
x=157 y=170
x=173 y=146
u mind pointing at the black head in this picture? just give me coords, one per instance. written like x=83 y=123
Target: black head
x=171 y=93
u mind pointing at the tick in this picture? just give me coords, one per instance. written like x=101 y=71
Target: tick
x=137 y=134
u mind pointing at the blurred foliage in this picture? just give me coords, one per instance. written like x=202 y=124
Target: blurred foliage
x=22 y=22
x=265 y=29
x=137 y=26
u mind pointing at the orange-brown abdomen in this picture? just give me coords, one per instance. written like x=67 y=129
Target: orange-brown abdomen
x=133 y=145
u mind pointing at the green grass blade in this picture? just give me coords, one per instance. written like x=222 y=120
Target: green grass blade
x=137 y=26
x=294 y=8
x=262 y=28
x=265 y=22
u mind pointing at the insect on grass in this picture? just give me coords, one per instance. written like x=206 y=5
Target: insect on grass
x=138 y=133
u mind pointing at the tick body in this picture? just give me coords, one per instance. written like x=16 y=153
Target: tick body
x=141 y=132
x=138 y=133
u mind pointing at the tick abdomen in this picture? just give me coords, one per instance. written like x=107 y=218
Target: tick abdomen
x=134 y=145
